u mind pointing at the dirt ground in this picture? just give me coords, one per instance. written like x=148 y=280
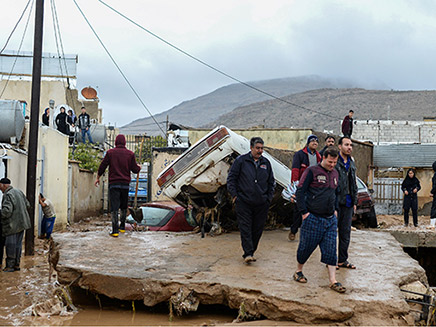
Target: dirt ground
x=20 y=290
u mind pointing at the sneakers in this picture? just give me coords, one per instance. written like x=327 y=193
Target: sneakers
x=249 y=259
x=122 y=230
x=291 y=236
x=17 y=268
x=9 y=269
x=114 y=234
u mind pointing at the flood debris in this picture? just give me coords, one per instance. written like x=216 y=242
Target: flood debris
x=183 y=301
x=243 y=315
x=60 y=304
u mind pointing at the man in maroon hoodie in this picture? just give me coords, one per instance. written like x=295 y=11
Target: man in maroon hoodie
x=121 y=162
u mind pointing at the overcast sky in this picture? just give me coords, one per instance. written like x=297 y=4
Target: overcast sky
x=380 y=41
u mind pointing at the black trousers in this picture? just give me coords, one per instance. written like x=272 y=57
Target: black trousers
x=345 y=216
x=297 y=220
x=433 y=208
x=251 y=221
x=410 y=203
x=119 y=199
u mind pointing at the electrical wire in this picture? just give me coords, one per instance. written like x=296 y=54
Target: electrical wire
x=118 y=67
x=18 y=52
x=215 y=69
x=61 y=53
x=16 y=25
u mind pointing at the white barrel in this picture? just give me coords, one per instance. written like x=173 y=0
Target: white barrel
x=11 y=120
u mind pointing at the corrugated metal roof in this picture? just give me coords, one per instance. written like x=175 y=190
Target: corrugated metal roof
x=405 y=155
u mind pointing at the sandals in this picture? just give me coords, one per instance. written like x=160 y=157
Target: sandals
x=299 y=277
x=337 y=287
x=346 y=264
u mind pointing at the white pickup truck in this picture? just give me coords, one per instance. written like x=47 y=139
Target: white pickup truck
x=198 y=177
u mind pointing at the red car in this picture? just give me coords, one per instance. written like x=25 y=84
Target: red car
x=365 y=206
x=161 y=216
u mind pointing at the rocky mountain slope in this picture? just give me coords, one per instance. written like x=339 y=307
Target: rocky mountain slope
x=207 y=108
x=327 y=107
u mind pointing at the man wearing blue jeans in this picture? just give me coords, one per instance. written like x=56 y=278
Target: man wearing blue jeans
x=49 y=216
x=85 y=125
x=316 y=201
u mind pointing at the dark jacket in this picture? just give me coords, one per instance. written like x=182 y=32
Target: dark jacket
x=250 y=183
x=409 y=184
x=347 y=126
x=61 y=123
x=316 y=191
x=347 y=182
x=14 y=215
x=84 y=121
x=45 y=119
x=433 y=188
x=300 y=162
x=121 y=162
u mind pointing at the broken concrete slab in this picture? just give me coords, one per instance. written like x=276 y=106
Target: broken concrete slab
x=153 y=266
x=414 y=237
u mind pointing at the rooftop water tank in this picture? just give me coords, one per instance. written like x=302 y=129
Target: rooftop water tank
x=98 y=133
x=11 y=120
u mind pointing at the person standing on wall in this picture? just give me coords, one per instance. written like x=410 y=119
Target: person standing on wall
x=347 y=124
x=347 y=199
x=121 y=162
x=304 y=158
x=14 y=220
x=410 y=188
x=85 y=125
x=61 y=122
x=251 y=184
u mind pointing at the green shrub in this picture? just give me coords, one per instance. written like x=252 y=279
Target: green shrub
x=88 y=156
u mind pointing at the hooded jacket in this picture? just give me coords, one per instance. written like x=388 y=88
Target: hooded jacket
x=121 y=162
x=14 y=215
x=409 y=184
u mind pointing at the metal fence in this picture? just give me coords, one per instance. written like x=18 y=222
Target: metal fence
x=133 y=143
x=387 y=190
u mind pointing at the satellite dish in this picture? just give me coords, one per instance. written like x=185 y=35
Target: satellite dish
x=89 y=93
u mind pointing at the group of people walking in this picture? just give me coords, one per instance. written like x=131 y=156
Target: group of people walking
x=325 y=200
x=66 y=123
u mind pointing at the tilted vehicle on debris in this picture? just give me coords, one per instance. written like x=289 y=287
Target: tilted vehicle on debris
x=198 y=178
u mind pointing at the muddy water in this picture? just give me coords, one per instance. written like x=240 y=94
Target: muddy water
x=19 y=290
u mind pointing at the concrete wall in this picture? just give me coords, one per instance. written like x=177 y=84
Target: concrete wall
x=86 y=200
x=161 y=158
x=395 y=131
x=53 y=159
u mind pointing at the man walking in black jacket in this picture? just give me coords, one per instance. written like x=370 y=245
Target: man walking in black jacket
x=347 y=199
x=251 y=184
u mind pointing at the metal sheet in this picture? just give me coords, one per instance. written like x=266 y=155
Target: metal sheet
x=404 y=155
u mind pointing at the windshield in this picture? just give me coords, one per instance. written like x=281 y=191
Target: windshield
x=360 y=184
x=156 y=216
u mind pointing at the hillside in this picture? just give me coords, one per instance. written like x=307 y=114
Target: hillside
x=367 y=104
x=207 y=108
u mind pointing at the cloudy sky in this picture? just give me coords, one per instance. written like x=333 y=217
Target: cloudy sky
x=380 y=41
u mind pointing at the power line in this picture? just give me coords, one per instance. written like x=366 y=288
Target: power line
x=16 y=25
x=212 y=67
x=19 y=49
x=61 y=54
x=119 y=69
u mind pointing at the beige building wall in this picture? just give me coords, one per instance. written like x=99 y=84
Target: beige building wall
x=53 y=179
x=86 y=200
x=22 y=90
x=161 y=158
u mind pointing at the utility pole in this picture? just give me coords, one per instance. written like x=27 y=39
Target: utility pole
x=34 y=121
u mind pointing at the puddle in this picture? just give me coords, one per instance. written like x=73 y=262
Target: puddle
x=23 y=288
